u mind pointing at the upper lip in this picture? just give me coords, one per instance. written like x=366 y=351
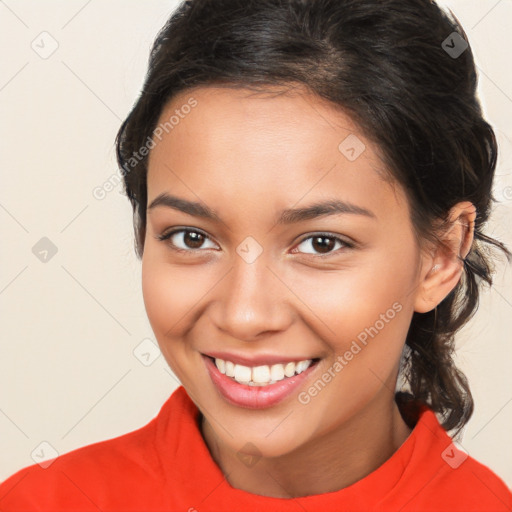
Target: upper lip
x=255 y=360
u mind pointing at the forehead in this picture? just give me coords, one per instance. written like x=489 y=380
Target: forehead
x=271 y=148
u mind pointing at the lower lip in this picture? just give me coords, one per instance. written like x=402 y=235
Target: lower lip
x=255 y=397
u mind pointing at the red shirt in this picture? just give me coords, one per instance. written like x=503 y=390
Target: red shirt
x=166 y=466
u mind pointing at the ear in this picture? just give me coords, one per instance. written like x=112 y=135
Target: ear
x=442 y=267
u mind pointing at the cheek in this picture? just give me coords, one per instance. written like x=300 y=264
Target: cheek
x=363 y=317
x=170 y=294
x=347 y=302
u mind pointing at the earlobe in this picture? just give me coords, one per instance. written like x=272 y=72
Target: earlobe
x=441 y=270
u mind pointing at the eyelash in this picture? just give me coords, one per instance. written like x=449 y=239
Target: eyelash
x=166 y=236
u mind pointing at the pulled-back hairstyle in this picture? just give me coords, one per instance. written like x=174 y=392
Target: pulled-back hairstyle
x=383 y=63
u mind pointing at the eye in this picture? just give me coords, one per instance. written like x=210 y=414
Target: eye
x=185 y=240
x=323 y=243
x=192 y=240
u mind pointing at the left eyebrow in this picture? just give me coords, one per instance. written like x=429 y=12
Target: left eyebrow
x=332 y=207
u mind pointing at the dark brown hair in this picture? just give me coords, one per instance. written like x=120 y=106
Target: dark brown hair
x=385 y=63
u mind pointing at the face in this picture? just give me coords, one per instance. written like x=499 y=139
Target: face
x=241 y=280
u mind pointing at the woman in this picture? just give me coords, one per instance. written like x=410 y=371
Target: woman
x=310 y=181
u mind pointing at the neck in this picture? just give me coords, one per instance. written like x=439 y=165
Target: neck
x=342 y=456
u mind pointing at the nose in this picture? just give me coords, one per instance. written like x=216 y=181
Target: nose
x=252 y=301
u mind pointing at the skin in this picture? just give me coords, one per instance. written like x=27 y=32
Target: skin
x=247 y=157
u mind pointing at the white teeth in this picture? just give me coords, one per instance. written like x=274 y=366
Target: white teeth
x=302 y=365
x=289 y=369
x=230 y=369
x=242 y=373
x=262 y=375
x=221 y=365
x=277 y=372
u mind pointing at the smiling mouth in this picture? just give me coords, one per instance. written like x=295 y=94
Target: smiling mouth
x=259 y=386
x=261 y=375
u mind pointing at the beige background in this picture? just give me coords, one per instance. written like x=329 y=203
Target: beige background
x=70 y=325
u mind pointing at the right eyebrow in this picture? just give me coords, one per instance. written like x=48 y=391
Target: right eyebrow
x=184 y=205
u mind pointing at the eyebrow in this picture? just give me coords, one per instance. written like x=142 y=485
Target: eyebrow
x=287 y=216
